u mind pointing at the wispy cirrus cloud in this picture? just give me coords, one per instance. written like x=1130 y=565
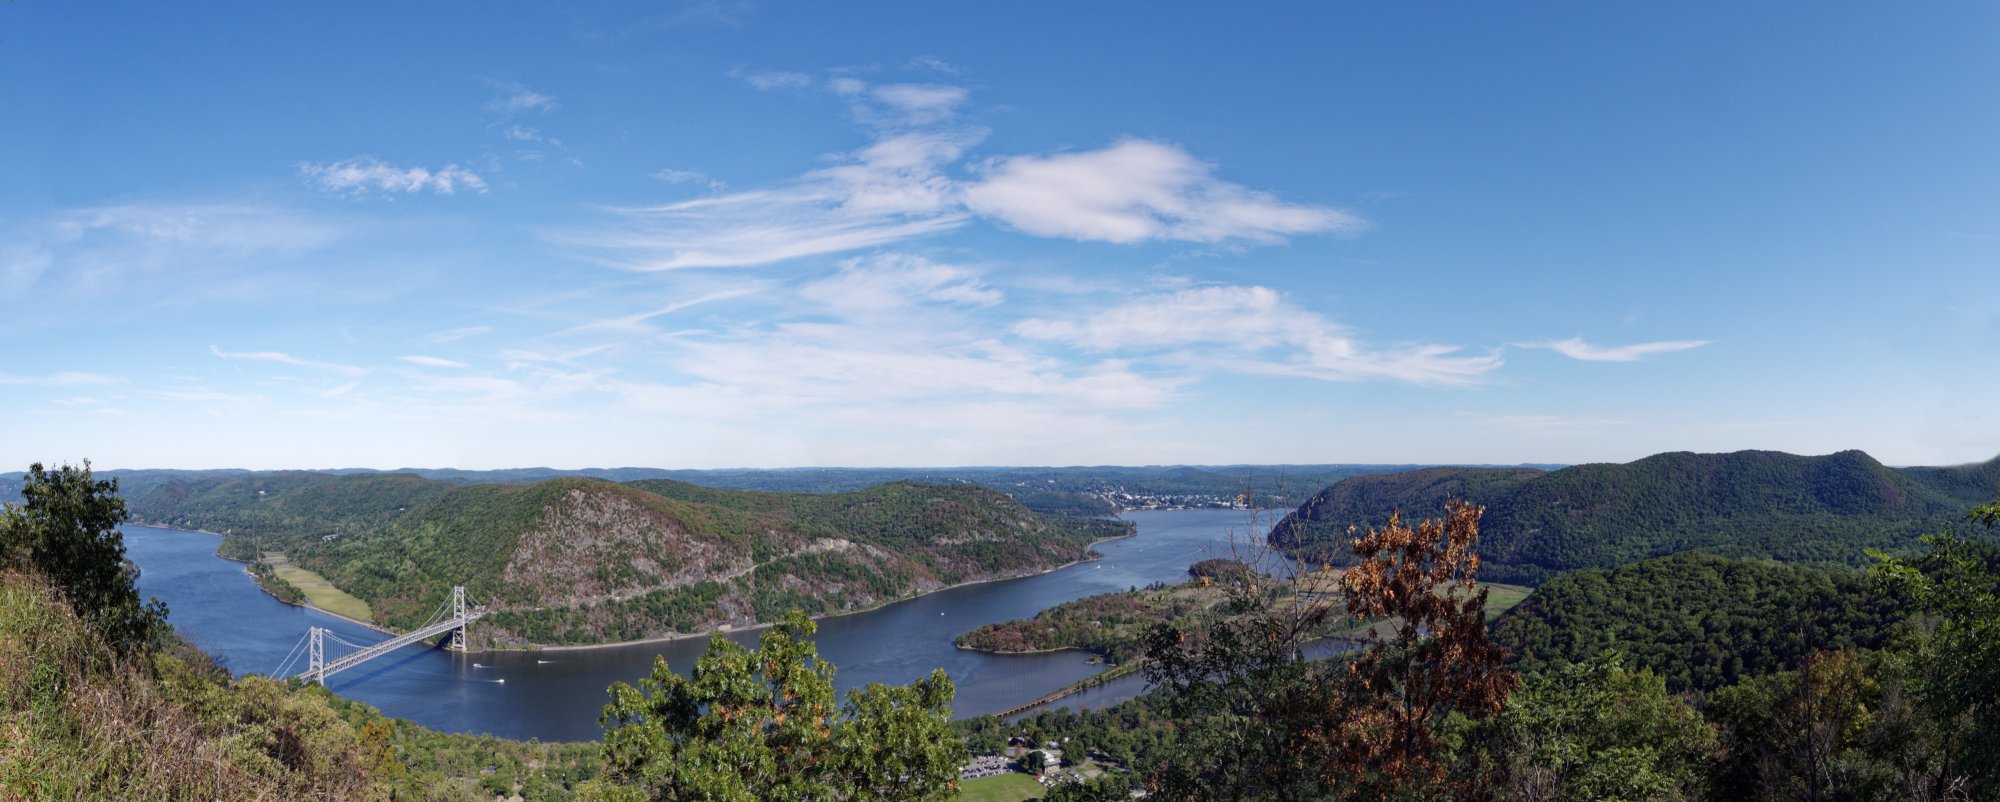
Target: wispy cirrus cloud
x=768 y=80
x=894 y=281
x=1252 y=329
x=162 y=249
x=364 y=174
x=888 y=192
x=68 y=378
x=432 y=361
x=1576 y=348
x=514 y=98
x=287 y=359
x=637 y=323
x=901 y=186
x=673 y=176
x=450 y=335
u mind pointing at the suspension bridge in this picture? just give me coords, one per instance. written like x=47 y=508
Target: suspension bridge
x=452 y=616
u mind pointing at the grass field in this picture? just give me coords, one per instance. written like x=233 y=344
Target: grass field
x=1501 y=597
x=320 y=592
x=1004 y=788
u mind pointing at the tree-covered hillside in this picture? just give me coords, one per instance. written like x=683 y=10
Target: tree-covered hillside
x=1755 y=504
x=584 y=561
x=1699 y=621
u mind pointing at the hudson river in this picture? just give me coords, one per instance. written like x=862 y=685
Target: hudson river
x=556 y=695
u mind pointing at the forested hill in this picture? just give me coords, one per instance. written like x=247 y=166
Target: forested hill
x=1701 y=622
x=1755 y=504
x=583 y=561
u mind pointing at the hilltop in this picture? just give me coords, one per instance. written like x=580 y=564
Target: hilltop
x=580 y=561
x=1750 y=504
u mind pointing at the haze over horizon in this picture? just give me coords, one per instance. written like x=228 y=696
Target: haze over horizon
x=737 y=234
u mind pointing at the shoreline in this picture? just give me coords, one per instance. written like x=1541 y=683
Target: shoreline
x=679 y=635
x=767 y=625
x=267 y=591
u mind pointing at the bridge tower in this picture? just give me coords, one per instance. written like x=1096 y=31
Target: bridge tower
x=316 y=668
x=458 y=612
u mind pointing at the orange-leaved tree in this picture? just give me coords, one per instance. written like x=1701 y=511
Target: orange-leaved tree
x=1430 y=657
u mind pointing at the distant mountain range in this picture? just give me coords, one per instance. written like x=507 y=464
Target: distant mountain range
x=1076 y=490
x=1749 y=504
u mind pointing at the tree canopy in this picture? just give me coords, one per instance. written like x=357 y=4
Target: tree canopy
x=763 y=724
x=67 y=530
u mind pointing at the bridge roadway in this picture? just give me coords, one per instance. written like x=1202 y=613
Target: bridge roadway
x=390 y=645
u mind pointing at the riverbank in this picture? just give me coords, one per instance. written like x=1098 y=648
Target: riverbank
x=679 y=636
x=728 y=628
x=308 y=605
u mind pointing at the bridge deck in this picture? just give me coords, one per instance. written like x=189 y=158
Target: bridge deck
x=392 y=644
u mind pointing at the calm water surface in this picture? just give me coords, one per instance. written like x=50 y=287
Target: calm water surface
x=556 y=695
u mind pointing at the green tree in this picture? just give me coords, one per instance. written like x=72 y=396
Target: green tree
x=1958 y=682
x=67 y=529
x=1035 y=760
x=1109 y=788
x=763 y=724
x=1598 y=731
x=1839 y=728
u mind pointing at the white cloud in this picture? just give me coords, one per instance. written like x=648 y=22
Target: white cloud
x=824 y=367
x=920 y=104
x=1137 y=190
x=897 y=188
x=887 y=192
x=187 y=248
x=1576 y=348
x=516 y=132
x=367 y=173
x=449 y=335
x=1254 y=330
x=205 y=395
x=768 y=80
x=515 y=98
x=432 y=361
x=673 y=176
x=932 y=63
x=888 y=282
x=287 y=359
x=62 y=379
x=636 y=323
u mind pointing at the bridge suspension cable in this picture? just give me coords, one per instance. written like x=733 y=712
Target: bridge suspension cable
x=453 y=616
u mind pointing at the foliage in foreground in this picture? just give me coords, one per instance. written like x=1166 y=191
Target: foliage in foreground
x=66 y=530
x=1371 y=728
x=764 y=724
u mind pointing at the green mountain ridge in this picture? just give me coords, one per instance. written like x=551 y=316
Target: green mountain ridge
x=579 y=561
x=1753 y=504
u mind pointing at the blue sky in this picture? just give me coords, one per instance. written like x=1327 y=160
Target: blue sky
x=757 y=234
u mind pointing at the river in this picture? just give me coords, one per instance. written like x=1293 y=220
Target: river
x=556 y=695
